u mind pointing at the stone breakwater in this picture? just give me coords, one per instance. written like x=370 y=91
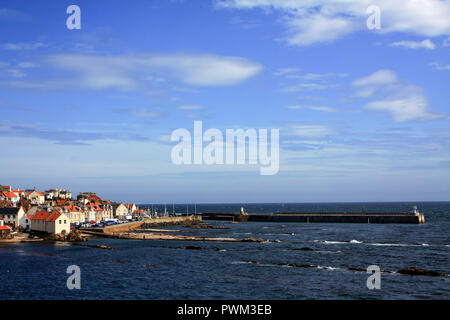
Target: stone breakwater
x=166 y=236
x=317 y=217
x=149 y=223
x=139 y=230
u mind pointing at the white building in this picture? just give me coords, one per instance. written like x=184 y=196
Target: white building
x=53 y=222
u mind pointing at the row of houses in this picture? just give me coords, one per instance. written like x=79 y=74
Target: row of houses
x=36 y=197
x=54 y=210
x=49 y=221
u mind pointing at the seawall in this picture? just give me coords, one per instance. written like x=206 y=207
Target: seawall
x=400 y=218
x=147 y=223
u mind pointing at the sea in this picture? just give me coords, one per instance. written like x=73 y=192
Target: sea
x=147 y=269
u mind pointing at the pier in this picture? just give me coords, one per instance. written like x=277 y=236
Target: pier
x=320 y=217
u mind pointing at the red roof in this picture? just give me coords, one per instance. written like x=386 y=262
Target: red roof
x=53 y=217
x=10 y=194
x=47 y=216
x=5 y=228
x=42 y=215
x=6 y=201
x=38 y=192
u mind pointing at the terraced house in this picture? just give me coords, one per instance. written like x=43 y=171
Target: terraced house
x=53 y=222
x=14 y=216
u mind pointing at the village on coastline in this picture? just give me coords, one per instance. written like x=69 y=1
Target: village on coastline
x=53 y=215
x=54 y=211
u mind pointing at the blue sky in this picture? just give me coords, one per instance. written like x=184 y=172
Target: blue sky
x=363 y=114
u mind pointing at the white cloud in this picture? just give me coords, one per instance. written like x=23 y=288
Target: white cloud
x=125 y=72
x=369 y=84
x=190 y=107
x=317 y=28
x=23 y=46
x=439 y=66
x=142 y=113
x=14 y=15
x=411 y=107
x=310 y=131
x=286 y=71
x=304 y=86
x=320 y=76
x=15 y=73
x=404 y=102
x=311 y=22
x=315 y=108
x=425 y=44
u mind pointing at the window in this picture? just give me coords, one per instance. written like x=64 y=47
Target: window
x=64 y=221
x=60 y=221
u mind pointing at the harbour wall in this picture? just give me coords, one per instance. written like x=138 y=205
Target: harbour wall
x=399 y=218
x=147 y=223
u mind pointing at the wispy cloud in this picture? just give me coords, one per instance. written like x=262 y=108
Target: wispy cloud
x=309 y=81
x=369 y=84
x=425 y=44
x=310 y=22
x=315 y=108
x=23 y=46
x=410 y=107
x=404 y=102
x=13 y=15
x=66 y=137
x=15 y=73
x=124 y=72
x=286 y=71
x=309 y=131
x=305 y=86
x=191 y=107
x=439 y=66
x=142 y=113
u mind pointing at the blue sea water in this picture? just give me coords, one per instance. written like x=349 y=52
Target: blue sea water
x=142 y=269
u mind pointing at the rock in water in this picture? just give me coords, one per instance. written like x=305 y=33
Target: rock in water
x=76 y=236
x=420 y=272
x=193 y=248
x=303 y=249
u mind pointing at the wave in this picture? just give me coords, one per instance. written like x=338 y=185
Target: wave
x=387 y=244
x=399 y=244
x=407 y=271
x=331 y=242
x=328 y=268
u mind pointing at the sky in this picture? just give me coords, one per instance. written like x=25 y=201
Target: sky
x=363 y=113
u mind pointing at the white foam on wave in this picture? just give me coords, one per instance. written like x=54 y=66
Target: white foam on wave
x=399 y=244
x=334 y=242
x=327 y=268
x=376 y=244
